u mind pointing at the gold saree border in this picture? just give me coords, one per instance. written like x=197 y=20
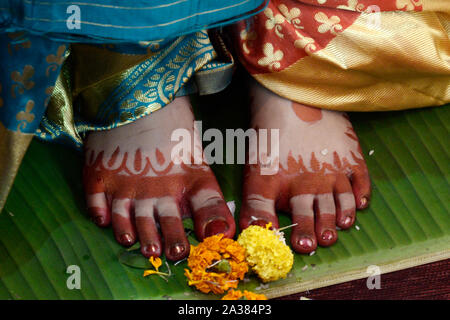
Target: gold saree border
x=365 y=69
x=13 y=146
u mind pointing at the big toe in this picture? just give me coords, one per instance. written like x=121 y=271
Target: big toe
x=210 y=211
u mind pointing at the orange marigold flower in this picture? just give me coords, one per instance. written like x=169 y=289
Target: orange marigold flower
x=247 y=295
x=216 y=264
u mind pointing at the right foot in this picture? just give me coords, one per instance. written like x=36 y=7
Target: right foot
x=322 y=177
x=132 y=182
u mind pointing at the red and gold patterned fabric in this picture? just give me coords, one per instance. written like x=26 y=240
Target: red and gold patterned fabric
x=351 y=55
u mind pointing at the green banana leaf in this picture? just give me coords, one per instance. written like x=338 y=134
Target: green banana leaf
x=44 y=227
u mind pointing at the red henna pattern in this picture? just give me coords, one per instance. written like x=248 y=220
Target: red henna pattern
x=122 y=182
x=160 y=157
x=299 y=178
x=306 y=113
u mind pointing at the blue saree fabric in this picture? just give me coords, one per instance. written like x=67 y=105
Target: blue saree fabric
x=115 y=20
x=35 y=38
x=28 y=69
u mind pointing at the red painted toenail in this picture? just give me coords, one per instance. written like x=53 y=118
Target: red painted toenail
x=305 y=243
x=327 y=235
x=363 y=202
x=177 y=250
x=126 y=239
x=348 y=222
x=151 y=250
x=215 y=227
x=260 y=222
x=99 y=220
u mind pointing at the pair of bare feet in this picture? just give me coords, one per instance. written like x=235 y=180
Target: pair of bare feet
x=132 y=181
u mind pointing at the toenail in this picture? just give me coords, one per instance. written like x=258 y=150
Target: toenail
x=126 y=239
x=152 y=250
x=363 y=201
x=215 y=227
x=327 y=235
x=177 y=250
x=99 y=220
x=348 y=222
x=305 y=243
x=259 y=222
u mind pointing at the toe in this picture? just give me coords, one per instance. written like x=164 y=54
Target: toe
x=96 y=199
x=325 y=219
x=303 y=237
x=98 y=209
x=210 y=212
x=176 y=245
x=345 y=203
x=121 y=221
x=146 y=228
x=258 y=201
x=258 y=210
x=361 y=188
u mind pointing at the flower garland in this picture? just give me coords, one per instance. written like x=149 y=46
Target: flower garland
x=216 y=264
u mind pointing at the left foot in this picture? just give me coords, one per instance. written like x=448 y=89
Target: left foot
x=133 y=182
x=322 y=177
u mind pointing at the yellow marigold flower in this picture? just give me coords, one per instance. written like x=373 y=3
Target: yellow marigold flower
x=216 y=264
x=247 y=295
x=268 y=256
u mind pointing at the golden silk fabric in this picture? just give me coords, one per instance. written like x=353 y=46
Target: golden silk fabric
x=13 y=147
x=351 y=55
